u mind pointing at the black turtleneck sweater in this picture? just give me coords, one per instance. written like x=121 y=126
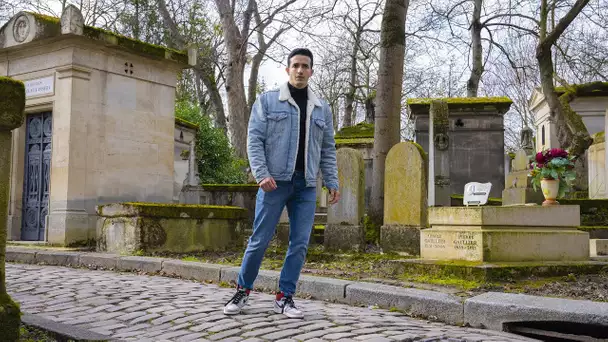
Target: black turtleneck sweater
x=301 y=98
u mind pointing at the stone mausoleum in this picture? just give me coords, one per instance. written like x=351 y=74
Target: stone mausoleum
x=99 y=124
x=474 y=140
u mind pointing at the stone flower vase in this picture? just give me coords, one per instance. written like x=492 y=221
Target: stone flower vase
x=550 y=188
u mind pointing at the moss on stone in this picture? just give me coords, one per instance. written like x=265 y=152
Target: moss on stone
x=186 y=123
x=10 y=317
x=12 y=103
x=355 y=142
x=441 y=121
x=597 y=88
x=462 y=100
x=160 y=210
x=599 y=138
x=231 y=187
x=360 y=130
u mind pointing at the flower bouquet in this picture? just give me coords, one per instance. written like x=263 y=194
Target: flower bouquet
x=552 y=171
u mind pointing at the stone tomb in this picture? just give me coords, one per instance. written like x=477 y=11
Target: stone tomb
x=505 y=234
x=99 y=124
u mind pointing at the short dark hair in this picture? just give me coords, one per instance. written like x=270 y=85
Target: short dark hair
x=299 y=51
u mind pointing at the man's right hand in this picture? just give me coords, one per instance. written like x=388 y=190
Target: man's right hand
x=268 y=184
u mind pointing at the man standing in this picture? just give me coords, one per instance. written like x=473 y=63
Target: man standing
x=290 y=139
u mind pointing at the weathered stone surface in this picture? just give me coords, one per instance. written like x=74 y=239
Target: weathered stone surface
x=518 y=186
x=323 y=288
x=491 y=310
x=135 y=263
x=107 y=261
x=20 y=255
x=598 y=247
x=58 y=258
x=442 y=306
x=266 y=280
x=72 y=21
x=400 y=238
x=532 y=216
x=344 y=229
x=192 y=270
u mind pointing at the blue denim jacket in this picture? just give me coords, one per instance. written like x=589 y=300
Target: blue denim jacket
x=274 y=134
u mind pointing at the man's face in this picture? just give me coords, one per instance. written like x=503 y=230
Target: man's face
x=299 y=71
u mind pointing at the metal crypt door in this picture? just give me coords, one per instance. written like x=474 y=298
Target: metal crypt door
x=36 y=175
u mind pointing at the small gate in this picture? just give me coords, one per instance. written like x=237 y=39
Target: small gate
x=36 y=175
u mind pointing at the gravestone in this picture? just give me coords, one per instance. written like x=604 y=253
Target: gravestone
x=518 y=187
x=405 y=198
x=344 y=230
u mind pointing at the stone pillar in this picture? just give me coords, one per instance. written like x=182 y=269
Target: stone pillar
x=12 y=105
x=68 y=221
x=441 y=158
x=192 y=179
x=344 y=230
x=518 y=186
x=405 y=199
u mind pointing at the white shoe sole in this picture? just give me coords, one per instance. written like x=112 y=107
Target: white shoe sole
x=226 y=312
x=280 y=311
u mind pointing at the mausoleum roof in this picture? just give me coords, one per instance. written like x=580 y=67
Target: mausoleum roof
x=27 y=27
x=422 y=105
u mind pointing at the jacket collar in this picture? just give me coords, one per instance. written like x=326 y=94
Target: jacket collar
x=285 y=94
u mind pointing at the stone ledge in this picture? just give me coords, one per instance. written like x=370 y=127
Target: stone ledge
x=266 y=280
x=415 y=302
x=20 y=255
x=323 y=288
x=61 y=331
x=135 y=263
x=491 y=310
x=58 y=258
x=107 y=261
x=192 y=270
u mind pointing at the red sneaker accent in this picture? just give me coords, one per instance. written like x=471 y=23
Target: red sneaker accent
x=280 y=295
x=246 y=290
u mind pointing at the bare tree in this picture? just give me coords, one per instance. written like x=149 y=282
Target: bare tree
x=390 y=83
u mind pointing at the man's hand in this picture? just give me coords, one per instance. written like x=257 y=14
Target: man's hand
x=334 y=196
x=268 y=184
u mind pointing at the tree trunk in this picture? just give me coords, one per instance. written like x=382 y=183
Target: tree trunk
x=390 y=83
x=253 y=80
x=370 y=110
x=349 y=99
x=476 y=51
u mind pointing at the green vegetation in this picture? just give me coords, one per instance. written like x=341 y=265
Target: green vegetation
x=361 y=130
x=217 y=162
x=461 y=100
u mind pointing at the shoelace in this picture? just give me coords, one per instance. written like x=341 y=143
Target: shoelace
x=289 y=302
x=238 y=296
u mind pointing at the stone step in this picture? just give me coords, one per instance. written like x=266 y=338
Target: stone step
x=320 y=218
x=598 y=247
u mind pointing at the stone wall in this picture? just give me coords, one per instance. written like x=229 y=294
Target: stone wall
x=237 y=195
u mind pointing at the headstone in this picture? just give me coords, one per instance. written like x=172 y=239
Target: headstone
x=72 y=21
x=476 y=193
x=405 y=199
x=344 y=230
x=518 y=187
x=441 y=157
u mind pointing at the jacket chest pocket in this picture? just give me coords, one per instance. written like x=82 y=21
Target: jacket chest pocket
x=277 y=123
x=318 y=128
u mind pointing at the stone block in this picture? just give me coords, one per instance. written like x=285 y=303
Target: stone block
x=492 y=310
x=532 y=216
x=598 y=247
x=505 y=244
x=62 y=331
x=323 y=288
x=20 y=255
x=57 y=258
x=344 y=237
x=266 y=280
x=99 y=260
x=430 y=304
x=135 y=263
x=405 y=186
x=518 y=196
x=344 y=219
x=400 y=238
x=192 y=270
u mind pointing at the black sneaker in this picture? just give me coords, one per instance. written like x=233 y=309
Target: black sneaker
x=287 y=307
x=237 y=302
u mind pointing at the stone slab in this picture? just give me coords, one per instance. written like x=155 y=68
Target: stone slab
x=337 y=237
x=106 y=261
x=532 y=216
x=58 y=258
x=323 y=288
x=266 y=280
x=20 y=255
x=508 y=244
x=598 y=247
x=400 y=238
x=192 y=270
x=136 y=263
x=62 y=331
x=492 y=309
x=430 y=304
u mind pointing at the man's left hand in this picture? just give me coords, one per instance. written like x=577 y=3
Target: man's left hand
x=334 y=196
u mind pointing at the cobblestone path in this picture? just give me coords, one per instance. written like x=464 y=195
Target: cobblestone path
x=133 y=307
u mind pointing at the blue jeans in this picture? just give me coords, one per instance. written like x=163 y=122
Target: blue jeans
x=301 y=204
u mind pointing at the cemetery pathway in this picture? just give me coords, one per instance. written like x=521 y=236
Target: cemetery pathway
x=133 y=307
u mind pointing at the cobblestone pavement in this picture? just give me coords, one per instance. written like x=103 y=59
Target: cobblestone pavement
x=135 y=307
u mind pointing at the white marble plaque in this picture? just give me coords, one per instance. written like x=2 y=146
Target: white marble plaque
x=40 y=86
x=476 y=193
